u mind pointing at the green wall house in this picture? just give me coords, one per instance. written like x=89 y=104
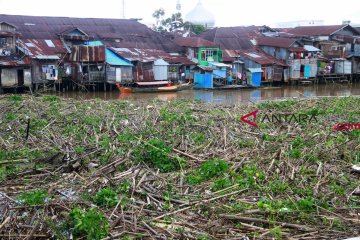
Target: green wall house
x=200 y=50
x=208 y=54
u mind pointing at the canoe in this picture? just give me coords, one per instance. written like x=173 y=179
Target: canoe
x=154 y=89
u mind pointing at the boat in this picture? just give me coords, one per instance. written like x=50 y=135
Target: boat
x=153 y=87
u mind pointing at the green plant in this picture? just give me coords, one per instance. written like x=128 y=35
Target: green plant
x=209 y=169
x=51 y=99
x=276 y=232
x=295 y=153
x=90 y=224
x=221 y=183
x=250 y=176
x=106 y=197
x=307 y=205
x=36 y=197
x=124 y=186
x=15 y=98
x=298 y=142
x=157 y=154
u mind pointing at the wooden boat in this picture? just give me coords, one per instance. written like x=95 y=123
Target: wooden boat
x=153 y=87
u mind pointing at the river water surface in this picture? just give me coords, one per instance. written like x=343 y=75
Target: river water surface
x=228 y=96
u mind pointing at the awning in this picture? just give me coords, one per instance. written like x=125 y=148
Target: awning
x=238 y=61
x=115 y=60
x=161 y=62
x=205 y=68
x=217 y=64
x=255 y=70
x=310 y=48
x=47 y=57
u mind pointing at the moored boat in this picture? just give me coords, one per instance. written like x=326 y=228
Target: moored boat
x=153 y=87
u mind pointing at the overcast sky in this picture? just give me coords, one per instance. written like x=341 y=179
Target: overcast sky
x=227 y=12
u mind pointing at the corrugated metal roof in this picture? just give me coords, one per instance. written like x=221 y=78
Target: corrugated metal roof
x=255 y=70
x=217 y=64
x=310 y=48
x=194 y=42
x=142 y=55
x=87 y=54
x=115 y=60
x=230 y=55
x=15 y=61
x=179 y=60
x=160 y=62
x=275 y=41
x=317 y=30
x=116 y=32
x=38 y=48
x=236 y=38
x=262 y=58
x=347 y=39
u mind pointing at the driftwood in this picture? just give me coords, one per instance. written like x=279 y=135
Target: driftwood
x=293 y=181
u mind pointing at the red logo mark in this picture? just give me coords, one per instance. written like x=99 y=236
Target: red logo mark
x=252 y=123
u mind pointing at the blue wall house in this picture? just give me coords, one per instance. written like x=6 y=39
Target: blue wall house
x=204 y=77
x=118 y=70
x=254 y=76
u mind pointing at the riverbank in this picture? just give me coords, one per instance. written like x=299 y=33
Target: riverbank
x=179 y=169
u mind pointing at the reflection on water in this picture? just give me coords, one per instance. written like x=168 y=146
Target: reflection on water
x=227 y=96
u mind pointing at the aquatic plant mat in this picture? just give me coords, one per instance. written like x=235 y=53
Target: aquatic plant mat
x=177 y=170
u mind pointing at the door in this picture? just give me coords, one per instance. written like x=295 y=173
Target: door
x=27 y=77
x=118 y=75
x=20 y=74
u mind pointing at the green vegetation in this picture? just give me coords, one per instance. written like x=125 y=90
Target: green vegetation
x=88 y=223
x=36 y=197
x=208 y=170
x=157 y=154
x=106 y=197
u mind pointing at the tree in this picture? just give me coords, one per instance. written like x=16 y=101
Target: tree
x=159 y=16
x=194 y=28
x=174 y=23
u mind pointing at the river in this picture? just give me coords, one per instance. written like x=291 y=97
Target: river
x=228 y=96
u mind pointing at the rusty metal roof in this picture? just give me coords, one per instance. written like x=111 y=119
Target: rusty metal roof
x=179 y=60
x=15 y=61
x=142 y=55
x=347 y=39
x=37 y=48
x=116 y=32
x=87 y=54
x=279 y=42
x=236 y=38
x=319 y=30
x=230 y=55
x=194 y=42
x=150 y=55
x=260 y=57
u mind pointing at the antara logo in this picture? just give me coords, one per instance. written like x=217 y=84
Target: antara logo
x=278 y=118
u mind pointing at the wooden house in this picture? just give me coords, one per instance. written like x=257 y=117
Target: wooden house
x=200 y=50
x=302 y=59
x=15 y=67
x=273 y=69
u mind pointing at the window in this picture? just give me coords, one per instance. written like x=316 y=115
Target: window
x=3 y=42
x=209 y=55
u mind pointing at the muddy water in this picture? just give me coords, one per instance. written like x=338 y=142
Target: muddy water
x=228 y=96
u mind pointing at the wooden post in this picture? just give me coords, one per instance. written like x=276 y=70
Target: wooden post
x=1 y=90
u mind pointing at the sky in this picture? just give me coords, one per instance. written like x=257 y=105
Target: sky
x=227 y=12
